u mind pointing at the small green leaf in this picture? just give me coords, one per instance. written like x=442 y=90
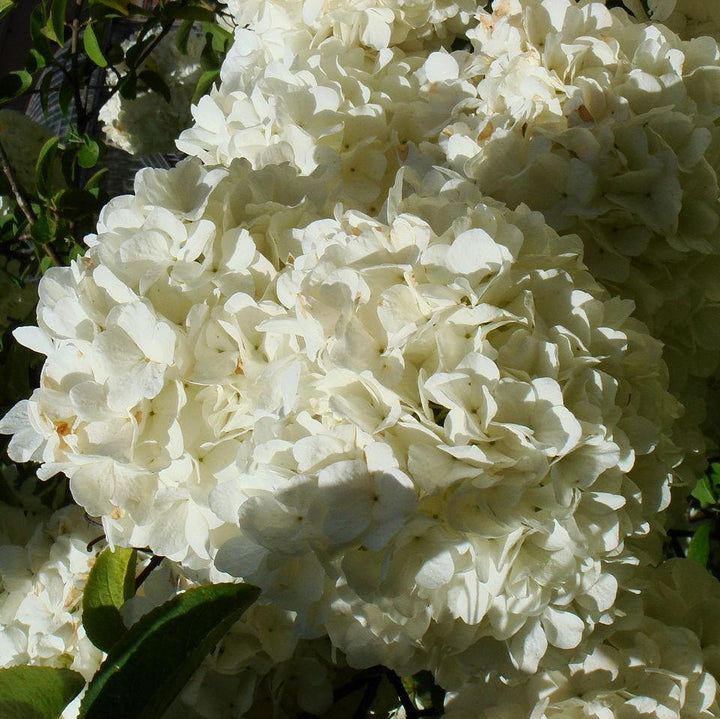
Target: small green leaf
x=208 y=57
x=127 y=86
x=147 y=668
x=704 y=491
x=204 y=83
x=699 y=548
x=65 y=95
x=182 y=34
x=89 y=153
x=155 y=82
x=94 y=182
x=92 y=46
x=37 y=692
x=56 y=23
x=6 y=6
x=115 y=54
x=36 y=61
x=120 y=5
x=221 y=38
x=14 y=84
x=110 y=584
x=194 y=13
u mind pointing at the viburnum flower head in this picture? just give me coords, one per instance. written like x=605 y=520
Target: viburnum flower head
x=413 y=432
x=608 y=126
x=659 y=661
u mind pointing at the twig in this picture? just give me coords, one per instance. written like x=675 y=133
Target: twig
x=411 y=711
x=368 y=698
x=79 y=107
x=23 y=204
x=154 y=562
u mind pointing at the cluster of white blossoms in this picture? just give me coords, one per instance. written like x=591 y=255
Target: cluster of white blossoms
x=608 y=127
x=604 y=124
x=660 y=661
x=415 y=433
x=149 y=123
x=439 y=432
x=43 y=568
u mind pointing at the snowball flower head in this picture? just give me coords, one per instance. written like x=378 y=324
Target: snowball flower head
x=654 y=664
x=609 y=128
x=41 y=584
x=412 y=432
x=148 y=123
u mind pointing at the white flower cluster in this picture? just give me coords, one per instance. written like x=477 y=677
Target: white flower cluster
x=43 y=568
x=657 y=663
x=148 y=123
x=608 y=127
x=417 y=433
x=320 y=355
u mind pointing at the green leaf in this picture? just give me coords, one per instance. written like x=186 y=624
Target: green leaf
x=44 y=166
x=127 y=86
x=155 y=82
x=56 y=22
x=6 y=6
x=88 y=153
x=208 y=57
x=147 y=668
x=44 y=229
x=204 y=83
x=37 y=692
x=182 y=34
x=14 y=84
x=699 y=548
x=221 y=38
x=704 y=491
x=92 y=46
x=65 y=95
x=194 y=13
x=94 y=182
x=110 y=584
x=115 y=54
x=36 y=61
x=120 y=5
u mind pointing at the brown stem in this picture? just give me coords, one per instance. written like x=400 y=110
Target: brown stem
x=23 y=204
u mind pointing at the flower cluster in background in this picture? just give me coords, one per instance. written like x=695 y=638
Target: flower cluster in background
x=420 y=340
x=149 y=123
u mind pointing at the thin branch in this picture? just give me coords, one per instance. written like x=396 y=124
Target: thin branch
x=411 y=711
x=368 y=698
x=154 y=562
x=79 y=107
x=23 y=204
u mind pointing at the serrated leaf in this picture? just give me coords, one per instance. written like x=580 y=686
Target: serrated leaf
x=37 y=692
x=110 y=584
x=699 y=547
x=92 y=46
x=154 y=81
x=149 y=666
x=704 y=491
x=204 y=83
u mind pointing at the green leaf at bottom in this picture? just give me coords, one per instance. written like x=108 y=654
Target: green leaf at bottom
x=37 y=692
x=149 y=666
